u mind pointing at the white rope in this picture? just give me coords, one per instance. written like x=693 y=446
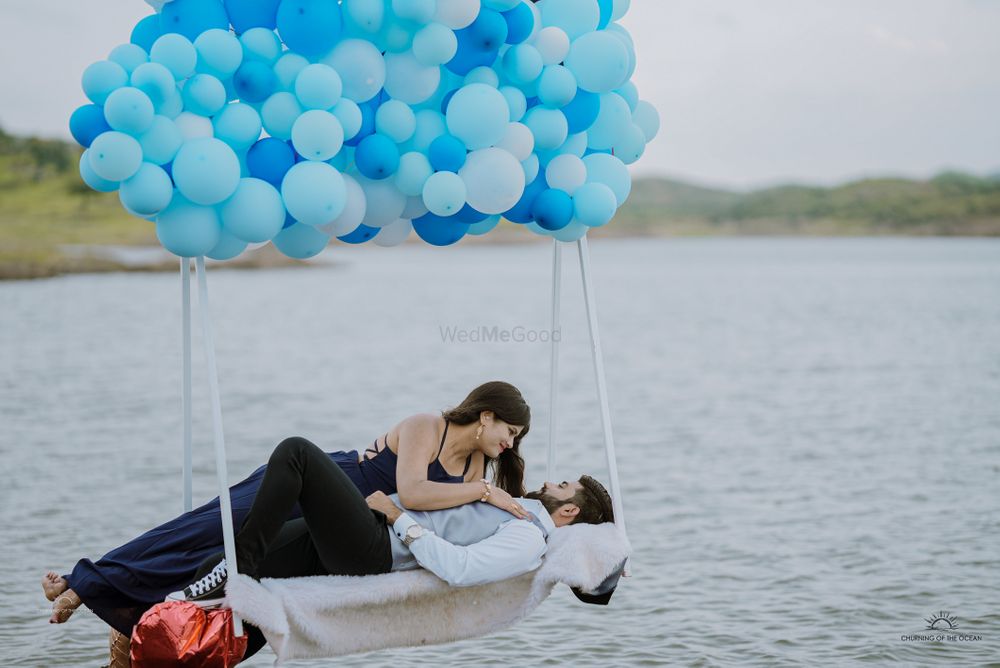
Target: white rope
x=602 y=389
x=554 y=364
x=225 y=502
x=186 y=379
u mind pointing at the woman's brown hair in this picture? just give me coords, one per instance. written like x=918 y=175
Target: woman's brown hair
x=507 y=404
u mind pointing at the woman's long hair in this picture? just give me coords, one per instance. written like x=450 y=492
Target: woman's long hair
x=508 y=405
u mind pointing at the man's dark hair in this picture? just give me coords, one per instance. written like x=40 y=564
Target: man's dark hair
x=594 y=503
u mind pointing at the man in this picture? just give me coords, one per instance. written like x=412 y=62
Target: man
x=341 y=533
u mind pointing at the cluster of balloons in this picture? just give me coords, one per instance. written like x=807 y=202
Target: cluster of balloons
x=237 y=122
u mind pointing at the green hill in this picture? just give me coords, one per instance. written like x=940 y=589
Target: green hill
x=45 y=209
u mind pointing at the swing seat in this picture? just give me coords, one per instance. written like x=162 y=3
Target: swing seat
x=335 y=615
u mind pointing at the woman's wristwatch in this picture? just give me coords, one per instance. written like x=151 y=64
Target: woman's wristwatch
x=489 y=489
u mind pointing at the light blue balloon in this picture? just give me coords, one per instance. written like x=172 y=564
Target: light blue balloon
x=317 y=135
x=261 y=44
x=206 y=171
x=629 y=91
x=631 y=144
x=129 y=56
x=396 y=120
x=572 y=232
x=288 y=68
x=361 y=68
x=364 y=16
x=349 y=114
x=516 y=102
x=613 y=119
x=575 y=17
x=419 y=11
x=318 y=86
x=227 y=248
x=129 y=110
x=255 y=212
x=557 y=86
x=176 y=53
x=173 y=106
x=314 y=193
x=148 y=192
x=483 y=75
x=648 y=119
x=548 y=125
x=429 y=126
x=219 y=53
x=115 y=156
x=187 y=229
x=484 y=226
x=238 y=125
x=157 y=82
x=612 y=172
x=301 y=241
x=103 y=78
x=161 y=141
x=444 y=194
x=204 y=95
x=435 y=44
x=594 y=204
x=279 y=114
x=414 y=170
x=600 y=62
x=523 y=63
x=91 y=178
x=409 y=81
x=478 y=115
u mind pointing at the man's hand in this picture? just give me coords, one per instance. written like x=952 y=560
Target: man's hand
x=379 y=501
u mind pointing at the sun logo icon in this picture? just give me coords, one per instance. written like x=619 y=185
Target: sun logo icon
x=942 y=621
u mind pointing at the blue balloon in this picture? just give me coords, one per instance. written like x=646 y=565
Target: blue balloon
x=204 y=95
x=161 y=141
x=176 y=53
x=607 y=8
x=187 y=229
x=103 y=78
x=377 y=157
x=146 y=32
x=255 y=81
x=193 y=17
x=129 y=56
x=470 y=215
x=582 y=111
x=520 y=23
x=228 y=247
x=129 y=110
x=206 y=171
x=238 y=125
x=255 y=212
x=553 y=209
x=594 y=204
x=487 y=33
x=270 y=159
x=439 y=231
x=247 y=14
x=310 y=27
x=301 y=241
x=522 y=211
x=361 y=234
x=261 y=44
x=148 y=192
x=115 y=156
x=91 y=178
x=447 y=154
x=86 y=123
x=156 y=81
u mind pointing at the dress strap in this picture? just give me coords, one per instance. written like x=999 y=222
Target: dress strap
x=468 y=463
x=375 y=450
x=443 y=437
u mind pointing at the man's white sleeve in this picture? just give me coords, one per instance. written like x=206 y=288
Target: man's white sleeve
x=517 y=547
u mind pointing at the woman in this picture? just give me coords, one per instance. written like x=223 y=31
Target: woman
x=415 y=458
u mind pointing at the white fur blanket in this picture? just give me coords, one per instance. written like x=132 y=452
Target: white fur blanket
x=333 y=615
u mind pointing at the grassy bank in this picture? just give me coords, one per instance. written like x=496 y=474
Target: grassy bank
x=47 y=214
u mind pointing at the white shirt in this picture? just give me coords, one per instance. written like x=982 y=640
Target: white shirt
x=516 y=547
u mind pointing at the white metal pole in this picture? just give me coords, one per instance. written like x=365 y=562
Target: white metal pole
x=225 y=503
x=602 y=389
x=186 y=380
x=554 y=362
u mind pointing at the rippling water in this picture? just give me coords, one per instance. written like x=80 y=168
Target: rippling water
x=808 y=431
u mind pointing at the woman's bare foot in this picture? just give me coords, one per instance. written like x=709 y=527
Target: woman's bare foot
x=54 y=584
x=63 y=606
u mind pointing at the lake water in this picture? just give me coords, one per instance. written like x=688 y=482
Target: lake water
x=808 y=431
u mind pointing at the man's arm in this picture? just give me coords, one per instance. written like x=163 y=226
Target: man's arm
x=516 y=548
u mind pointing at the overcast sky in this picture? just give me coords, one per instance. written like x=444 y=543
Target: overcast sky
x=751 y=94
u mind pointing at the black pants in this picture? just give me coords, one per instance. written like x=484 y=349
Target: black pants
x=338 y=534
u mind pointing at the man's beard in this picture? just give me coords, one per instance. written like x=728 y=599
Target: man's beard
x=551 y=504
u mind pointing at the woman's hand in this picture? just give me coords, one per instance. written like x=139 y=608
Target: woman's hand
x=504 y=501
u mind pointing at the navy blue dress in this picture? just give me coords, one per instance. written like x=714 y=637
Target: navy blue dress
x=130 y=579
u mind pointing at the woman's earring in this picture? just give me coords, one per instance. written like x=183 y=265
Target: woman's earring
x=479 y=432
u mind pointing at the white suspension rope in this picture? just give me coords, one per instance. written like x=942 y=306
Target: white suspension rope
x=186 y=379
x=554 y=364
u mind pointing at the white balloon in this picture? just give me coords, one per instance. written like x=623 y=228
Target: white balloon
x=415 y=208
x=553 y=43
x=354 y=210
x=394 y=233
x=566 y=173
x=531 y=168
x=193 y=126
x=361 y=68
x=409 y=81
x=518 y=141
x=456 y=14
x=494 y=180
x=385 y=202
